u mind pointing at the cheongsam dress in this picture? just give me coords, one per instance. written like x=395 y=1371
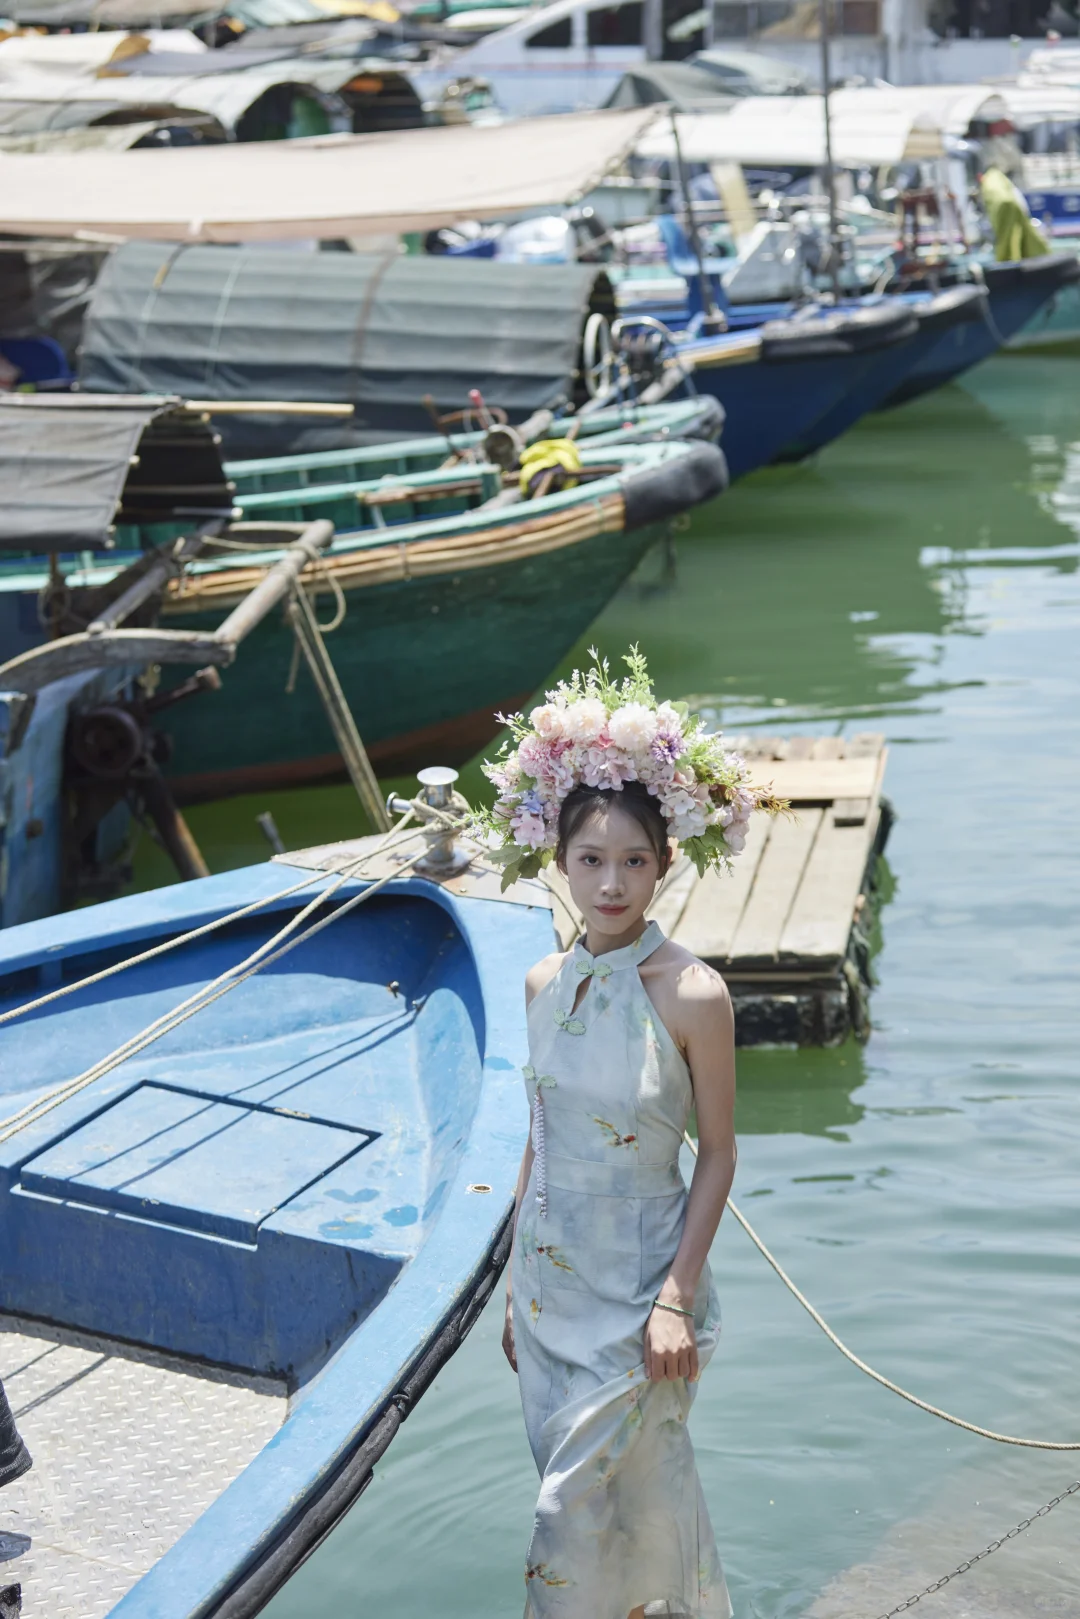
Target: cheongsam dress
x=620 y=1520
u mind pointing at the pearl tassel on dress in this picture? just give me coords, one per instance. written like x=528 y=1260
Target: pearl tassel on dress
x=539 y=1156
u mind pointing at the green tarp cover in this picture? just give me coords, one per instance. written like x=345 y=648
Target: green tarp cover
x=378 y=332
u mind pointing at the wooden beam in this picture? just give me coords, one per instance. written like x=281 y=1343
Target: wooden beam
x=169 y=562
x=779 y=873
x=109 y=649
x=821 y=918
x=818 y=781
x=77 y=654
x=708 y=923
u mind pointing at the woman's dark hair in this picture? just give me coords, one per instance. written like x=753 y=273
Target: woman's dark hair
x=579 y=807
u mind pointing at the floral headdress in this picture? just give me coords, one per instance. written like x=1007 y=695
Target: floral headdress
x=598 y=732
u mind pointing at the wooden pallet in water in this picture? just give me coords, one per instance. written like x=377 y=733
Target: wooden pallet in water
x=788 y=928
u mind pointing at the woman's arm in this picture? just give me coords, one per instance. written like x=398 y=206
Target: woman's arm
x=706 y=1028
x=535 y=980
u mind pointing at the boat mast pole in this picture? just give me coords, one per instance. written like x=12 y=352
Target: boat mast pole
x=830 y=172
x=715 y=320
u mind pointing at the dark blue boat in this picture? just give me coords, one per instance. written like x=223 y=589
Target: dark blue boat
x=957 y=329
x=939 y=315
x=281 y=1216
x=778 y=381
x=1016 y=294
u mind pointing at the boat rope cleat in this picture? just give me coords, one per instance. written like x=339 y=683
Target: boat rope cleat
x=444 y=857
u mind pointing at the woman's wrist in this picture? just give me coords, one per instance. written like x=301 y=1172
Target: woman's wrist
x=677 y=1294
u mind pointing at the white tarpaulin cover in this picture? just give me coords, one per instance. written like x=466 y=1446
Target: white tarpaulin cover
x=344 y=185
x=868 y=127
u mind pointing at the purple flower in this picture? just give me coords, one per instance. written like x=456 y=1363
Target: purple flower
x=667 y=746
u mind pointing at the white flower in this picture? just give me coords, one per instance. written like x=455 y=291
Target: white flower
x=549 y=721
x=633 y=727
x=735 y=836
x=585 y=720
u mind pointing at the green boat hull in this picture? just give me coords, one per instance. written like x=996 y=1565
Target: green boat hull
x=425 y=665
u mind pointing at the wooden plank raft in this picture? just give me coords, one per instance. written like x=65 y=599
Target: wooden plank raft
x=788 y=928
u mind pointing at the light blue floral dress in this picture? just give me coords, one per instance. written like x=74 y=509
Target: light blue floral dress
x=621 y=1520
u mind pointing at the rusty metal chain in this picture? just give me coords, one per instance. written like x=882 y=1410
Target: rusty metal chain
x=994 y=1546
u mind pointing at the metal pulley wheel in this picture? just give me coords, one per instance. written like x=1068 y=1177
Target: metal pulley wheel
x=106 y=742
x=597 y=356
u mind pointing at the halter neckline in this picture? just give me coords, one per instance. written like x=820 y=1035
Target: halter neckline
x=630 y=955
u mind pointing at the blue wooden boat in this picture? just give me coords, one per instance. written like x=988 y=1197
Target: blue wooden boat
x=777 y=381
x=939 y=315
x=957 y=329
x=233 y=1261
x=1017 y=292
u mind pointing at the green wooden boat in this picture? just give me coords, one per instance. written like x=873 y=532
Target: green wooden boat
x=698 y=417
x=449 y=605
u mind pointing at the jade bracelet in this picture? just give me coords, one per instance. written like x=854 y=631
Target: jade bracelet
x=674 y=1308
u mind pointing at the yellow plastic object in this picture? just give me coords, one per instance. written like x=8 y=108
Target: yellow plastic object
x=1015 y=234
x=551 y=463
x=377 y=10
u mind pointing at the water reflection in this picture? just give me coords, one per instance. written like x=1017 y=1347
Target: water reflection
x=824 y=591
x=805 y=1092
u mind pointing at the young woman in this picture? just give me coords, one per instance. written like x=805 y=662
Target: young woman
x=611 y=1313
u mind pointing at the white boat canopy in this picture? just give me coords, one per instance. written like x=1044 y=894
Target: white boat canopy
x=869 y=126
x=330 y=186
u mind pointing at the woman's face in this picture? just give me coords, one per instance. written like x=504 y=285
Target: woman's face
x=612 y=870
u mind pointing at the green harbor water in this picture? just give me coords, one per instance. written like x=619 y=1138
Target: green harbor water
x=920 y=578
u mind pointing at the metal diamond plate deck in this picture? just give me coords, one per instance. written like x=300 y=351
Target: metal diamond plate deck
x=129 y=1448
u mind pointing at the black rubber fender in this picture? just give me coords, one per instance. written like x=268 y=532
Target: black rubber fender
x=956 y=306
x=667 y=491
x=837 y=332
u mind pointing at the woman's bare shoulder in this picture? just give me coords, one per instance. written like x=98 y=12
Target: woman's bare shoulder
x=690 y=981
x=542 y=973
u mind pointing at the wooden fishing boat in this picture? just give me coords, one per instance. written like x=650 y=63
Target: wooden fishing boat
x=78 y=750
x=236 y=1253
x=450 y=606
x=628 y=422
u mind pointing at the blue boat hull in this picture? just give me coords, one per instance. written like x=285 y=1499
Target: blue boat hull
x=305 y=1180
x=1017 y=292
x=868 y=393
x=769 y=407
x=962 y=347
x=37 y=861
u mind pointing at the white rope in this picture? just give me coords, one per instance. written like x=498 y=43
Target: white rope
x=230 y=979
x=196 y=933
x=913 y=1399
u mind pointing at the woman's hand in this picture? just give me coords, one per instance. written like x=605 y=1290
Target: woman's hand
x=670 y=1347
x=508 y=1333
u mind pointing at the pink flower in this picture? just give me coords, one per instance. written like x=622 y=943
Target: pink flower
x=735 y=836
x=534 y=757
x=529 y=829
x=606 y=767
